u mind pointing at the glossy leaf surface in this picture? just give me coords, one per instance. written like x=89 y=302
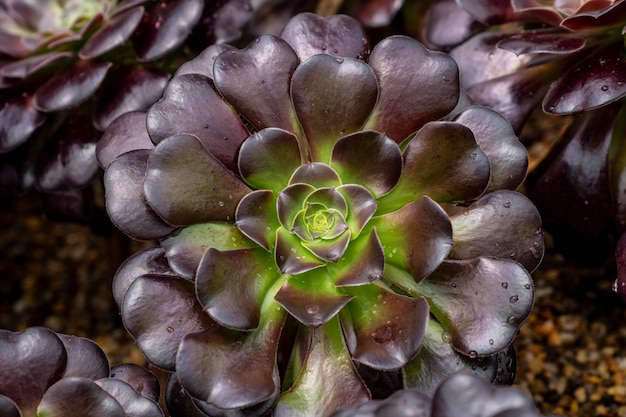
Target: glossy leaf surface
x=139 y=378
x=18 y=120
x=126 y=133
x=113 y=34
x=133 y=403
x=69 y=395
x=85 y=359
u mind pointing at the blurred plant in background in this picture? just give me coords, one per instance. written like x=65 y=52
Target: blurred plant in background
x=317 y=204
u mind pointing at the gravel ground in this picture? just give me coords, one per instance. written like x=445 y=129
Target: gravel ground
x=570 y=351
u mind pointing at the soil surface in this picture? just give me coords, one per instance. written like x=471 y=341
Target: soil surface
x=570 y=351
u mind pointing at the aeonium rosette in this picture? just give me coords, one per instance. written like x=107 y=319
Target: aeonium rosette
x=323 y=231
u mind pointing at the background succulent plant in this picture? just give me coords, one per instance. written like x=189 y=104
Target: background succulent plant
x=314 y=211
x=565 y=58
x=43 y=373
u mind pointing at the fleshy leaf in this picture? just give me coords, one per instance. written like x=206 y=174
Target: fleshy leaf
x=73 y=86
x=159 y=311
x=185 y=248
x=190 y=105
x=508 y=158
x=596 y=81
x=362 y=262
x=18 y=120
x=442 y=161
x=332 y=98
x=494 y=12
x=28 y=66
x=416 y=85
x=125 y=204
x=85 y=358
x=437 y=360
x=290 y=256
x=504 y=224
x=448 y=24
x=328 y=380
x=69 y=395
x=231 y=285
x=329 y=250
x=311 y=297
x=203 y=63
x=113 y=34
x=149 y=261
x=185 y=184
x=131 y=401
x=361 y=207
x=256 y=82
x=257 y=219
x=8 y=408
x=384 y=330
x=231 y=369
x=30 y=362
x=612 y=15
x=369 y=159
x=178 y=401
x=480 y=302
x=550 y=41
x=316 y=174
x=415 y=238
x=290 y=201
x=126 y=133
x=337 y=35
x=143 y=381
x=165 y=26
x=268 y=158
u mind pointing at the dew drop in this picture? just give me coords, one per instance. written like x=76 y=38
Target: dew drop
x=446 y=338
x=473 y=155
x=170 y=329
x=511 y=320
x=453 y=285
x=383 y=334
x=491 y=342
x=312 y=309
x=262 y=81
x=605 y=88
x=505 y=285
x=339 y=60
x=206 y=126
x=507 y=204
x=535 y=253
x=527 y=286
x=220 y=203
x=473 y=354
x=514 y=299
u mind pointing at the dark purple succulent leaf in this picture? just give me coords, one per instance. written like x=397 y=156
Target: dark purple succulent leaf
x=127 y=133
x=256 y=82
x=8 y=408
x=495 y=12
x=448 y=24
x=72 y=86
x=504 y=224
x=28 y=66
x=268 y=158
x=329 y=250
x=257 y=219
x=480 y=59
x=312 y=305
x=578 y=175
x=149 y=261
x=442 y=161
x=480 y=302
x=611 y=15
x=30 y=362
x=231 y=285
x=73 y=397
x=159 y=311
x=231 y=369
x=361 y=207
x=416 y=238
x=362 y=262
x=437 y=360
x=113 y=34
x=133 y=403
x=332 y=98
x=16 y=46
x=142 y=380
x=337 y=35
x=290 y=256
x=69 y=159
x=468 y=395
x=190 y=105
x=203 y=63
x=543 y=41
x=384 y=330
x=291 y=200
x=18 y=120
x=125 y=203
x=221 y=22
x=185 y=247
x=598 y=80
x=369 y=159
x=85 y=359
x=617 y=169
x=328 y=379
x=128 y=88
x=178 y=401
x=164 y=27
x=316 y=174
x=508 y=157
x=124 y=5
x=416 y=86
x=329 y=198
x=62 y=39
x=186 y=184
x=377 y=13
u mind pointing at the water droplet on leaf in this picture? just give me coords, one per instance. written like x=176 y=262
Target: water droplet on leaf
x=514 y=299
x=170 y=329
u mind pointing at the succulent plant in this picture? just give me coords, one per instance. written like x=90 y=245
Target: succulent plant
x=564 y=58
x=69 y=68
x=48 y=374
x=329 y=222
x=461 y=394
